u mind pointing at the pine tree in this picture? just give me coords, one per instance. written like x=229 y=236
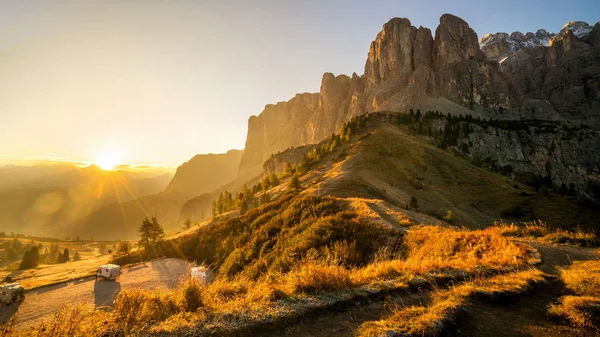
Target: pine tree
x=145 y=230
x=294 y=183
x=123 y=247
x=243 y=206
x=64 y=257
x=157 y=232
x=274 y=179
x=30 y=259
x=76 y=257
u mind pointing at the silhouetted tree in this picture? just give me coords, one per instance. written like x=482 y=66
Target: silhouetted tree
x=76 y=257
x=64 y=257
x=30 y=259
x=187 y=224
x=145 y=232
x=157 y=231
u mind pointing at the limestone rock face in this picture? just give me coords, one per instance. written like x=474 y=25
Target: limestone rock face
x=455 y=41
x=464 y=74
x=565 y=76
x=594 y=37
x=278 y=127
x=391 y=54
x=541 y=76
x=422 y=48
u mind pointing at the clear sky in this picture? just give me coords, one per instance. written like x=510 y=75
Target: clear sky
x=160 y=81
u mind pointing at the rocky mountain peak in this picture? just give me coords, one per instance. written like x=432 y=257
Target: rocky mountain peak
x=455 y=40
x=579 y=28
x=499 y=46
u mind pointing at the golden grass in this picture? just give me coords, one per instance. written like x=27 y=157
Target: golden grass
x=583 y=310
x=431 y=320
x=583 y=277
x=539 y=229
x=429 y=252
x=437 y=248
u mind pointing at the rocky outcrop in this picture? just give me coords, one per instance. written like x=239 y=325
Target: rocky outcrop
x=407 y=68
x=278 y=127
x=561 y=81
x=405 y=65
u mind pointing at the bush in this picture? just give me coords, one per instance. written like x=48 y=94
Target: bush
x=31 y=258
x=191 y=296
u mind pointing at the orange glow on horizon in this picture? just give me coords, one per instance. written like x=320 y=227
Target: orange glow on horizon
x=108 y=160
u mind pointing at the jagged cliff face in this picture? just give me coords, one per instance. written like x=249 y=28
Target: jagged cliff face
x=561 y=81
x=406 y=66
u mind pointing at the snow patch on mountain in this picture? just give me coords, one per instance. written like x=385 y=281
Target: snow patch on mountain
x=499 y=46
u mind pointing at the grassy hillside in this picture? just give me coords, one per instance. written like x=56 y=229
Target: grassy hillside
x=383 y=161
x=289 y=259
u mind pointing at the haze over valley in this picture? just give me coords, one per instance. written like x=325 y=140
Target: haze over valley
x=179 y=179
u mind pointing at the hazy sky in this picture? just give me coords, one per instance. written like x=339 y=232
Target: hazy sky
x=160 y=81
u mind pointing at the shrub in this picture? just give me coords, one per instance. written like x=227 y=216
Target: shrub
x=191 y=295
x=30 y=259
x=313 y=278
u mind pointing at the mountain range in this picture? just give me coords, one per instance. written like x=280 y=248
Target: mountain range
x=519 y=110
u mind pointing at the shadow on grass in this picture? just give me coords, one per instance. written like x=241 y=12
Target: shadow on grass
x=105 y=293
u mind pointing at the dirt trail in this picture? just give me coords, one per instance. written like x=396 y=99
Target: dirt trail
x=41 y=303
x=519 y=316
x=344 y=323
x=527 y=315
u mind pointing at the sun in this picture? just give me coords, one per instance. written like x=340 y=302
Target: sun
x=107 y=160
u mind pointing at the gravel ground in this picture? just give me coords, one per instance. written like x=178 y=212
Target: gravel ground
x=42 y=303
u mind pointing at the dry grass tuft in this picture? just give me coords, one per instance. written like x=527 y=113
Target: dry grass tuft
x=583 y=278
x=436 y=248
x=431 y=320
x=315 y=278
x=539 y=229
x=71 y=320
x=582 y=311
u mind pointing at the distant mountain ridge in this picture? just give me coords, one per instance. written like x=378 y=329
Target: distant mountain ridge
x=498 y=46
x=42 y=198
x=201 y=174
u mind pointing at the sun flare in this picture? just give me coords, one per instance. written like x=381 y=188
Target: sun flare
x=107 y=160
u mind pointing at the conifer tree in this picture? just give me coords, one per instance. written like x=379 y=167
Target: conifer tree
x=145 y=230
x=157 y=231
